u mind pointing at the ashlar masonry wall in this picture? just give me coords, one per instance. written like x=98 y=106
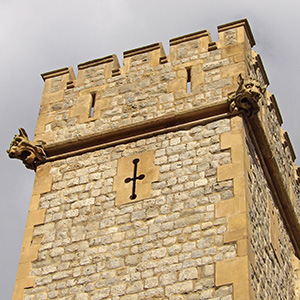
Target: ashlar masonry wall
x=149 y=86
x=156 y=186
x=157 y=248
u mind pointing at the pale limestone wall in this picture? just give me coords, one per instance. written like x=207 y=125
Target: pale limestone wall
x=163 y=247
x=272 y=274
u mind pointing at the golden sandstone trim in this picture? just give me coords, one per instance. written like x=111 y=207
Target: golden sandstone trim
x=145 y=168
x=282 y=197
x=235 y=271
x=36 y=216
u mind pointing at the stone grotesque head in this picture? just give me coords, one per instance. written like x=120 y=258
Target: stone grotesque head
x=247 y=96
x=31 y=153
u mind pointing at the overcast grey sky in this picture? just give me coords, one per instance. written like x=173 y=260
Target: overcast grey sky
x=38 y=36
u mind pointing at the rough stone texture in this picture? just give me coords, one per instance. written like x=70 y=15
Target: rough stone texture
x=164 y=245
x=283 y=154
x=145 y=90
x=272 y=269
x=209 y=209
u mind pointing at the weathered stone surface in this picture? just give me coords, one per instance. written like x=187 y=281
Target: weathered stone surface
x=31 y=153
x=278 y=259
x=150 y=242
x=198 y=220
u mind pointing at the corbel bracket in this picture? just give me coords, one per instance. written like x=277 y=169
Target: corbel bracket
x=31 y=153
x=247 y=97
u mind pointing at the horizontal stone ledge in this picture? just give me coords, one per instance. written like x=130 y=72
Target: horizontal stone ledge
x=99 y=61
x=189 y=37
x=145 y=129
x=144 y=49
x=59 y=72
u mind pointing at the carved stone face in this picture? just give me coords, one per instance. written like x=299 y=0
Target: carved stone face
x=247 y=96
x=21 y=148
x=249 y=91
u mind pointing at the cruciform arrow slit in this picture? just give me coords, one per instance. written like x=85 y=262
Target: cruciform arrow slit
x=134 y=179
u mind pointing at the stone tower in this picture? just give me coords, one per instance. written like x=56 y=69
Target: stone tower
x=167 y=178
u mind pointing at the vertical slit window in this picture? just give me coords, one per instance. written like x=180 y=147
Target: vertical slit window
x=188 y=80
x=92 y=105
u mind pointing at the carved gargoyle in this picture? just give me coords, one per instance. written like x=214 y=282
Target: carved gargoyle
x=31 y=153
x=247 y=96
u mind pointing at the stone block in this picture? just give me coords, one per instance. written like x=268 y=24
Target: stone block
x=226 y=208
x=23 y=270
x=239 y=271
x=34 y=203
x=43 y=179
x=27 y=238
x=243 y=247
x=226 y=172
x=145 y=167
x=36 y=217
x=179 y=288
x=235 y=235
x=234 y=138
x=242 y=290
x=29 y=254
x=237 y=221
x=20 y=284
x=188 y=274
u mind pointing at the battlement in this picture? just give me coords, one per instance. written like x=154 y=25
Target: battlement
x=153 y=93
x=151 y=89
x=247 y=30
x=104 y=96
x=231 y=33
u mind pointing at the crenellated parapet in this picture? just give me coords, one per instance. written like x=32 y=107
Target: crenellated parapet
x=197 y=73
x=153 y=90
x=151 y=87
